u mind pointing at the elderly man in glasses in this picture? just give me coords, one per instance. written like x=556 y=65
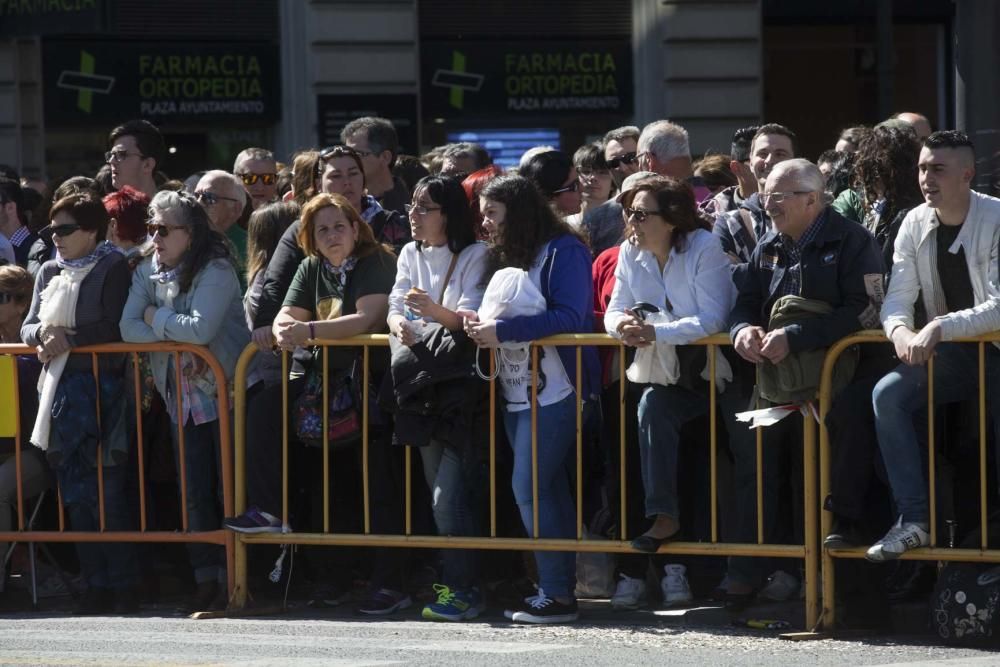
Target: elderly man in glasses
x=663 y=148
x=224 y=197
x=258 y=170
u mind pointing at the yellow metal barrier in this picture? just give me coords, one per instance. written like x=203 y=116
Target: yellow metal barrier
x=932 y=553
x=807 y=551
x=220 y=536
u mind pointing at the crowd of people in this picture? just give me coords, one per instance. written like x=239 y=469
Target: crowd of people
x=464 y=265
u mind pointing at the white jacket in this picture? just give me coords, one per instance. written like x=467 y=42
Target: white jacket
x=914 y=269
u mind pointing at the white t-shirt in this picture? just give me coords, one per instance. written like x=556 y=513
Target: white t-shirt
x=425 y=269
x=515 y=365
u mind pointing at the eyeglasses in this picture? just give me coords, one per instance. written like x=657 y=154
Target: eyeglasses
x=210 y=198
x=778 y=197
x=420 y=210
x=572 y=187
x=592 y=173
x=118 y=156
x=153 y=228
x=628 y=158
x=251 y=178
x=639 y=214
x=63 y=231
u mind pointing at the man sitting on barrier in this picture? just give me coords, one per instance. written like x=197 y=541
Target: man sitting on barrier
x=819 y=258
x=946 y=254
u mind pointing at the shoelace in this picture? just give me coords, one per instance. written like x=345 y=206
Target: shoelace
x=445 y=594
x=540 y=601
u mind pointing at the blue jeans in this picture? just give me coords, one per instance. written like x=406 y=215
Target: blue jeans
x=662 y=413
x=902 y=394
x=456 y=487
x=556 y=512
x=203 y=470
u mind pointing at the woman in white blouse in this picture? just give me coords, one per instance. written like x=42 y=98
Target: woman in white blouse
x=438 y=274
x=673 y=263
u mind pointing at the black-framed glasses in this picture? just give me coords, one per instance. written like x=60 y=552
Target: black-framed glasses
x=627 y=158
x=573 y=186
x=778 y=197
x=119 y=155
x=154 y=228
x=63 y=231
x=210 y=198
x=251 y=178
x=420 y=210
x=639 y=214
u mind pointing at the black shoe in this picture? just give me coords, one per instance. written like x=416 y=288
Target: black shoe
x=843 y=534
x=126 y=601
x=204 y=597
x=95 y=601
x=543 y=609
x=649 y=544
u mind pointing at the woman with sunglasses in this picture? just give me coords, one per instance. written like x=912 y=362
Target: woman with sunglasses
x=553 y=173
x=526 y=233
x=78 y=301
x=189 y=293
x=439 y=274
x=672 y=264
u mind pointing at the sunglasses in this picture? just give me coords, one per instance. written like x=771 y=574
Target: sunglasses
x=63 y=231
x=572 y=187
x=153 y=229
x=628 y=158
x=639 y=214
x=210 y=198
x=251 y=179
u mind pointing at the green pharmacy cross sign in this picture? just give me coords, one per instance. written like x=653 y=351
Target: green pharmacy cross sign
x=85 y=82
x=458 y=80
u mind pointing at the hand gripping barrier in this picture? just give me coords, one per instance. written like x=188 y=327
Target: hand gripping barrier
x=807 y=551
x=932 y=553
x=143 y=535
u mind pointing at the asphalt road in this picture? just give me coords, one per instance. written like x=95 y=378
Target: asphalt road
x=332 y=639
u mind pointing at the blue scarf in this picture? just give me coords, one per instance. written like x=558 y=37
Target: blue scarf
x=164 y=276
x=104 y=248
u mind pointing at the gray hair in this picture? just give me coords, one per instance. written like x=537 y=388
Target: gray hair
x=252 y=153
x=470 y=150
x=619 y=134
x=665 y=140
x=165 y=200
x=532 y=152
x=236 y=182
x=805 y=174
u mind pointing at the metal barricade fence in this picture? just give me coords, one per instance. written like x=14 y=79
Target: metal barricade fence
x=143 y=534
x=808 y=551
x=932 y=553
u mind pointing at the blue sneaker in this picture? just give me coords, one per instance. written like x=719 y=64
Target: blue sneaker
x=454 y=605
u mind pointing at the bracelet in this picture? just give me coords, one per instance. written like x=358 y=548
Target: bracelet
x=312 y=331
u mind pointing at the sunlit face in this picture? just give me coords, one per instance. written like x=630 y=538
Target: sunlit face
x=428 y=227
x=373 y=163
x=341 y=176
x=653 y=232
x=76 y=244
x=170 y=247
x=494 y=216
x=796 y=210
x=769 y=150
x=945 y=175
x=595 y=184
x=226 y=207
x=615 y=150
x=334 y=235
x=257 y=171
x=128 y=166
x=568 y=201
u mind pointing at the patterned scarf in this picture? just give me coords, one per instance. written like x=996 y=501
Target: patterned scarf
x=102 y=249
x=340 y=272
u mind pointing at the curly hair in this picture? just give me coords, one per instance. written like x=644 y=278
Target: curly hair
x=885 y=167
x=528 y=224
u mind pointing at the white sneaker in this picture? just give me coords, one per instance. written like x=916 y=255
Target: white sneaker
x=780 y=587
x=901 y=538
x=676 y=590
x=630 y=593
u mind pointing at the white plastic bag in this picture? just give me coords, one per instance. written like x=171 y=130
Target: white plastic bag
x=656 y=363
x=511 y=293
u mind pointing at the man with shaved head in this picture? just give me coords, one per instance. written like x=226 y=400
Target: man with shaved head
x=224 y=197
x=917 y=121
x=945 y=257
